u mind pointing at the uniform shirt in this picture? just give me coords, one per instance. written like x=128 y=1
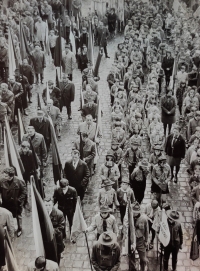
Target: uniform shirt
x=141 y=227
x=107 y=197
x=133 y=156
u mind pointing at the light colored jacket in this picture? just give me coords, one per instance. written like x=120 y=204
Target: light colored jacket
x=68 y=62
x=40 y=30
x=6 y=220
x=97 y=223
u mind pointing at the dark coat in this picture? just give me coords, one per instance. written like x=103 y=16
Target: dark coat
x=168 y=64
x=178 y=149
x=55 y=95
x=66 y=202
x=67 y=93
x=29 y=163
x=39 y=145
x=168 y=106
x=92 y=110
x=176 y=239
x=58 y=222
x=112 y=18
x=13 y=195
x=39 y=62
x=17 y=90
x=88 y=150
x=83 y=40
x=82 y=61
x=27 y=71
x=97 y=252
x=101 y=35
x=79 y=177
x=25 y=86
x=43 y=128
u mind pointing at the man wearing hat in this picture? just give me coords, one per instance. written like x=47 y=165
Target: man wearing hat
x=87 y=147
x=103 y=221
x=67 y=89
x=42 y=264
x=193 y=123
x=42 y=126
x=54 y=93
x=68 y=61
x=106 y=253
x=107 y=195
x=89 y=73
x=39 y=63
x=124 y=194
x=161 y=175
x=109 y=170
x=66 y=197
x=138 y=179
x=142 y=235
x=133 y=155
x=77 y=173
x=176 y=239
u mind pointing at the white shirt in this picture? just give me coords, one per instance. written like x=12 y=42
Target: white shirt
x=75 y=164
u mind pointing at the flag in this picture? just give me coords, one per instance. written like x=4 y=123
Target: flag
x=11 y=55
x=99 y=121
x=81 y=98
x=56 y=161
x=39 y=107
x=90 y=52
x=72 y=40
x=2 y=249
x=13 y=159
x=128 y=230
x=78 y=225
x=164 y=233
x=9 y=254
x=98 y=61
x=39 y=246
x=47 y=230
x=24 y=47
x=125 y=229
x=21 y=128
x=47 y=92
x=194 y=250
x=81 y=147
x=58 y=48
x=57 y=80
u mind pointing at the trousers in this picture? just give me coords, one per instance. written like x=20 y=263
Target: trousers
x=141 y=249
x=167 y=251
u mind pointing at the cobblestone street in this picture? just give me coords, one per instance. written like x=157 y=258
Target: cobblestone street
x=75 y=256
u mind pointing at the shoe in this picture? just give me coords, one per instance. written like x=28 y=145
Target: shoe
x=19 y=233
x=42 y=82
x=59 y=138
x=107 y=57
x=30 y=102
x=26 y=114
x=69 y=118
x=175 y=179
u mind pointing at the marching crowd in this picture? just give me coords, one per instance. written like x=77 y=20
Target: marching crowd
x=154 y=94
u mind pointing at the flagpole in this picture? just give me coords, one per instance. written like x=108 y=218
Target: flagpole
x=88 y=250
x=79 y=201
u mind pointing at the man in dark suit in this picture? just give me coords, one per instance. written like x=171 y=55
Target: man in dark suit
x=102 y=34
x=42 y=126
x=39 y=63
x=87 y=147
x=77 y=172
x=28 y=72
x=38 y=143
x=83 y=38
x=54 y=93
x=167 y=65
x=66 y=197
x=175 y=150
x=67 y=94
x=89 y=108
x=58 y=222
x=176 y=239
x=17 y=90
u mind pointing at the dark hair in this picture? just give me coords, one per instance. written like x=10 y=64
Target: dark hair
x=10 y=171
x=40 y=262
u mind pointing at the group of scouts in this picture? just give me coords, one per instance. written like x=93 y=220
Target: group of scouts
x=154 y=72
